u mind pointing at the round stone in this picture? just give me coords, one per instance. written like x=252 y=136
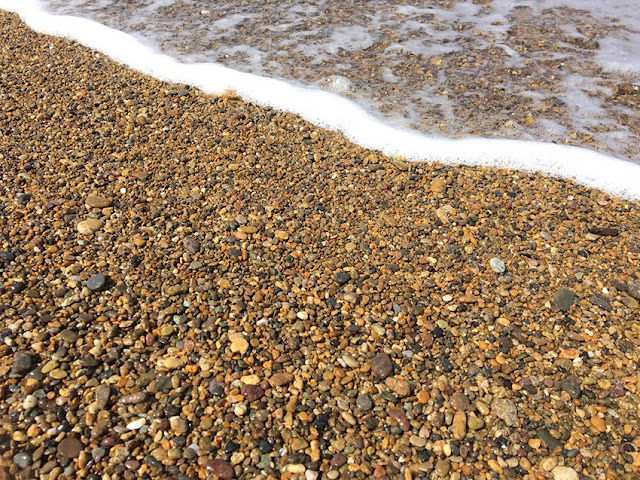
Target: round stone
x=97 y=282
x=22 y=459
x=70 y=447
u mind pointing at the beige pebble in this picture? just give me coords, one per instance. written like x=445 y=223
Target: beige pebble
x=89 y=226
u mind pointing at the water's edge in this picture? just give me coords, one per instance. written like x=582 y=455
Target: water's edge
x=328 y=110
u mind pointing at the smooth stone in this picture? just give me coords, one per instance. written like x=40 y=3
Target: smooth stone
x=342 y=277
x=563 y=299
x=399 y=416
x=459 y=425
x=400 y=387
x=191 y=244
x=443 y=467
x=22 y=459
x=97 y=201
x=382 y=366
x=505 y=410
x=338 y=460
x=497 y=265
x=136 y=424
x=350 y=361
x=438 y=185
x=179 y=425
x=70 y=447
x=221 y=468
x=89 y=226
x=605 y=231
x=97 y=282
x=634 y=290
x=280 y=379
x=364 y=402
x=133 y=398
x=30 y=401
x=564 y=473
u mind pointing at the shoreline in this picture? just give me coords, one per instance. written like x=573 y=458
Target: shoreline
x=195 y=286
x=587 y=167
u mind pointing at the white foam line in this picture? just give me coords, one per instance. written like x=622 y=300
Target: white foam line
x=331 y=111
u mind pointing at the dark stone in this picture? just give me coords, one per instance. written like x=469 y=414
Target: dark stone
x=571 y=385
x=97 y=282
x=381 y=366
x=23 y=198
x=605 y=231
x=634 y=290
x=551 y=442
x=601 y=302
x=17 y=287
x=265 y=447
x=231 y=447
x=447 y=366
x=22 y=363
x=564 y=299
x=321 y=422
x=162 y=384
x=370 y=422
x=399 y=416
x=623 y=287
x=342 y=278
x=617 y=391
x=216 y=388
x=7 y=257
x=338 y=460
x=251 y=393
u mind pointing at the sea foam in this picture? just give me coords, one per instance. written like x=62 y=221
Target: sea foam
x=334 y=112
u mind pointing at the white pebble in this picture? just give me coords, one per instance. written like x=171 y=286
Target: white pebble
x=30 y=401
x=136 y=424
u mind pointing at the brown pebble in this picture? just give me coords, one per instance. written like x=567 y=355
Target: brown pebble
x=221 y=468
x=96 y=201
x=280 y=379
x=251 y=393
x=382 y=366
x=70 y=447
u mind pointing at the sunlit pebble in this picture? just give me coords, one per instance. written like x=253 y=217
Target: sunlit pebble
x=123 y=190
x=136 y=424
x=605 y=290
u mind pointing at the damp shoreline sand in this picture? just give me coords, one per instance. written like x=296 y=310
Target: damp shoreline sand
x=195 y=286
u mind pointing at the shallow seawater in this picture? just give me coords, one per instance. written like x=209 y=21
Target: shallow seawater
x=554 y=71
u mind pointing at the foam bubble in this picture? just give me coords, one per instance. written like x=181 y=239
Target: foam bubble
x=329 y=110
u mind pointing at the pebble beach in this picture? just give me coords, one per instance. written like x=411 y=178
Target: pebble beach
x=195 y=287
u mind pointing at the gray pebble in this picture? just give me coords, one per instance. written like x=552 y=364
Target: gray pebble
x=497 y=265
